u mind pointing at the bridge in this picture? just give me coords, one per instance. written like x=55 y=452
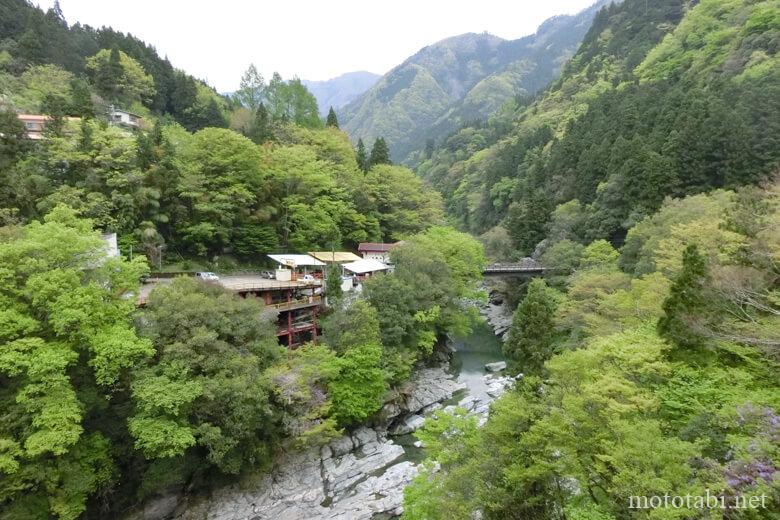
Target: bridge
x=517 y=269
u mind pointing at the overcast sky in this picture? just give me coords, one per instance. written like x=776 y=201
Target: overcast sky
x=313 y=39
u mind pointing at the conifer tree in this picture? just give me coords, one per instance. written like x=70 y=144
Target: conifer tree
x=360 y=155
x=332 y=120
x=686 y=306
x=380 y=153
x=261 y=128
x=530 y=339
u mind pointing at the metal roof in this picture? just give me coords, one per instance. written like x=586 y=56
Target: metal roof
x=291 y=260
x=365 y=265
x=376 y=246
x=338 y=257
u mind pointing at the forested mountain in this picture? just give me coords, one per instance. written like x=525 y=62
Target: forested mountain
x=459 y=79
x=339 y=91
x=662 y=99
x=30 y=40
x=645 y=371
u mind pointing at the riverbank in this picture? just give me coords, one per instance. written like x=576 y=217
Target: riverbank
x=363 y=474
x=355 y=476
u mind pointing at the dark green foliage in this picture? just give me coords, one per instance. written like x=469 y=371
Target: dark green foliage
x=675 y=125
x=35 y=38
x=380 y=154
x=360 y=156
x=531 y=336
x=332 y=120
x=686 y=308
x=261 y=131
x=254 y=240
x=81 y=100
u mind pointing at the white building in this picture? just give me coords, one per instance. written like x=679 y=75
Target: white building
x=376 y=251
x=121 y=117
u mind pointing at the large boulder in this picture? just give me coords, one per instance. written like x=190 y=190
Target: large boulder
x=429 y=386
x=408 y=424
x=496 y=367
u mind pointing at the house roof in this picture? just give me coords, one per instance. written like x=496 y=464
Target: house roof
x=291 y=260
x=365 y=265
x=33 y=117
x=43 y=117
x=338 y=257
x=376 y=246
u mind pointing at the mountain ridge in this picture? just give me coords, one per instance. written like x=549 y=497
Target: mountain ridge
x=340 y=90
x=458 y=64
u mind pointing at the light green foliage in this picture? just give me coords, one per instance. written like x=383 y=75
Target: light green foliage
x=625 y=412
x=65 y=330
x=40 y=82
x=463 y=255
x=127 y=83
x=403 y=204
x=206 y=386
x=351 y=326
x=290 y=101
x=639 y=253
x=423 y=298
x=252 y=89
x=599 y=254
x=298 y=387
x=358 y=389
x=220 y=183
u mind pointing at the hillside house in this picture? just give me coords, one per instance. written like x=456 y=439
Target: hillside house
x=124 y=118
x=35 y=124
x=376 y=250
x=364 y=268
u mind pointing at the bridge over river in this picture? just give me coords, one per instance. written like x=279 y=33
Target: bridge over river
x=527 y=268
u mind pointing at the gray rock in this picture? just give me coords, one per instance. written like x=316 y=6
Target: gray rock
x=363 y=436
x=496 y=367
x=469 y=402
x=341 y=446
x=417 y=444
x=408 y=424
x=429 y=386
x=431 y=407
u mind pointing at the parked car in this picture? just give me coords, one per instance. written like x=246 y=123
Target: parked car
x=207 y=276
x=268 y=275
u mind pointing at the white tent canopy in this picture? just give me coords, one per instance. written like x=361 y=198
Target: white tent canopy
x=289 y=260
x=366 y=265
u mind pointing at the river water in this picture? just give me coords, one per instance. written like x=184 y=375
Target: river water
x=471 y=354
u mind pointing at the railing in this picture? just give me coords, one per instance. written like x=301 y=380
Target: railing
x=254 y=286
x=300 y=327
x=299 y=303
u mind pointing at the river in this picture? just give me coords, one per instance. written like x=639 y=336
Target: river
x=472 y=352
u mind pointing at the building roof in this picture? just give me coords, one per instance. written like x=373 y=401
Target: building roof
x=43 y=117
x=291 y=260
x=33 y=117
x=365 y=265
x=376 y=246
x=338 y=257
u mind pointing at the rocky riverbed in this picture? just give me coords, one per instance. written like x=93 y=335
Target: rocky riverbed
x=355 y=477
